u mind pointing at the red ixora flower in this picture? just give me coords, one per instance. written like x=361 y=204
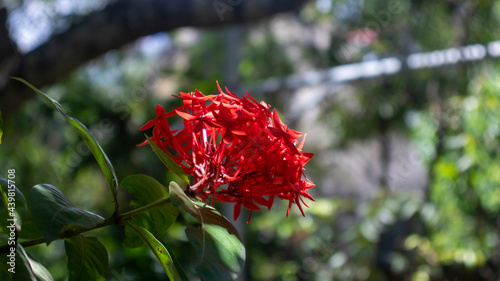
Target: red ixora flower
x=236 y=149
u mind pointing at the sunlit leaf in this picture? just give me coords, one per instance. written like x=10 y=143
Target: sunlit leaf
x=168 y=161
x=222 y=255
x=88 y=138
x=30 y=266
x=147 y=190
x=51 y=211
x=172 y=268
x=87 y=258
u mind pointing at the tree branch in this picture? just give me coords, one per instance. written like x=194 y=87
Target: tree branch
x=119 y=23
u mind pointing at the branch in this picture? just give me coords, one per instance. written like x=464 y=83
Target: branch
x=113 y=220
x=120 y=23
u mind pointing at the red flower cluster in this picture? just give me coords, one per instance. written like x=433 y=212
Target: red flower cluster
x=236 y=149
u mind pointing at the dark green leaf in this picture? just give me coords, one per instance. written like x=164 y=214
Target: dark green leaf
x=221 y=254
x=168 y=161
x=1 y=127
x=30 y=230
x=4 y=274
x=179 y=198
x=89 y=139
x=17 y=211
x=21 y=205
x=24 y=267
x=131 y=239
x=29 y=267
x=202 y=212
x=172 y=268
x=147 y=190
x=216 y=240
x=87 y=258
x=51 y=211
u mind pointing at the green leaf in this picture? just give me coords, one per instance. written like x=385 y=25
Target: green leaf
x=131 y=239
x=4 y=274
x=216 y=240
x=86 y=135
x=24 y=267
x=1 y=127
x=12 y=207
x=30 y=267
x=30 y=230
x=21 y=205
x=148 y=190
x=87 y=258
x=171 y=267
x=202 y=212
x=168 y=161
x=51 y=211
x=222 y=255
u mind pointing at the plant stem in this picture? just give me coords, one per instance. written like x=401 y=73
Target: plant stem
x=130 y=214
x=112 y=220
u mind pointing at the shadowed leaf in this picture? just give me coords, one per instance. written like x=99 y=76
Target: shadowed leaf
x=51 y=211
x=216 y=240
x=222 y=255
x=24 y=267
x=168 y=161
x=8 y=211
x=202 y=212
x=1 y=127
x=87 y=258
x=147 y=190
x=88 y=138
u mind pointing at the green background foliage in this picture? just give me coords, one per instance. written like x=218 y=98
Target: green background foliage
x=444 y=230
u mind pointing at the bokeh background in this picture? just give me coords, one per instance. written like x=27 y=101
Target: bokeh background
x=400 y=101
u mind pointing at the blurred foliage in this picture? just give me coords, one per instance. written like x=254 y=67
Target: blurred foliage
x=447 y=231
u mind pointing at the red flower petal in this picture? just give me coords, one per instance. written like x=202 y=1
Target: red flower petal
x=160 y=111
x=148 y=125
x=235 y=149
x=185 y=116
x=237 y=210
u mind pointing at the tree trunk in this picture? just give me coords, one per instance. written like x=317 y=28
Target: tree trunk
x=119 y=23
